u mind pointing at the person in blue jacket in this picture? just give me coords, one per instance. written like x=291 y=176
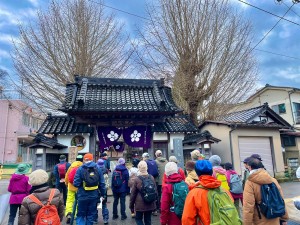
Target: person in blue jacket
x=119 y=185
x=59 y=172
x=89 y=181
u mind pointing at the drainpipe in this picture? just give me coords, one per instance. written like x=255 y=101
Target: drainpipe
x=233 y=127
x=5 y=136
x=291 y=92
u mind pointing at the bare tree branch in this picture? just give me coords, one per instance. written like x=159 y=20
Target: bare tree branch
x=203 y=49
x=71 y=37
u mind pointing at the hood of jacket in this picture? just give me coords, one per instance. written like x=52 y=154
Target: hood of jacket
x=209 y=181
x=17 y=177
x=174 y=178
x=161 y=159
x=219 y=170
x=76 y=164
x=192 y=174
x=89 y=164
x=121 y=167
x=261 y=176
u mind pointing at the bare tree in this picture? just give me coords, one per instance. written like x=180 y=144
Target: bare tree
x=3 y=78
x=71 y=37
x=203 y=49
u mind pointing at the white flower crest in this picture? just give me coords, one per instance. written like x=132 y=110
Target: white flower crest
x=135 y=136
x=118 y=147
x=112 y=136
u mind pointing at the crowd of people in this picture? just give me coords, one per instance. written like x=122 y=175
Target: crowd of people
x=203 y=192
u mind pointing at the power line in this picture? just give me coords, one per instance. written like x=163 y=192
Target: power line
x=272 y=27
x=281 y=17
x=274 y=53
x=129 y=13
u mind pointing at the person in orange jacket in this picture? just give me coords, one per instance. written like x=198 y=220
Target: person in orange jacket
x=196 y=205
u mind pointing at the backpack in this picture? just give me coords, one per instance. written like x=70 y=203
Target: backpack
x=117 y=179
x=152 y=168
x=221 y=207
x=72 y=174
x=222 y=177
x=179 y=193
x=236 y=185
x=272 y=204
x=48 y=213
x=148 y=190
x=62 y=170
x=91 y=178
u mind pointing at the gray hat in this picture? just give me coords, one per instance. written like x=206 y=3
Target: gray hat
x=215 y=160
x=146 y=155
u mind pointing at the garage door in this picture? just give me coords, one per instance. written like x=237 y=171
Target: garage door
x=259 y=145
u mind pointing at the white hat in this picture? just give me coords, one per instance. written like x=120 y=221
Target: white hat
x=38 y=177
x=158 y=153
x=146 y=155
x=171 y=168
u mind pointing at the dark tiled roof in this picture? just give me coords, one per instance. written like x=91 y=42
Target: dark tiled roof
x=119 y=95
x=246 y=118
x=63 y=125
x=175 y=124
x=42 y=140
x=199 y=138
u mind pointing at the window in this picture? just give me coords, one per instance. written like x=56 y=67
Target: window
x=26 y=119
x=296 y=112
x=288 y=141
x=279 y=109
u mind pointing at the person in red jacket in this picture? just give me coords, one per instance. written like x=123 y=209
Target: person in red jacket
x=168 y=217
x=180 y=171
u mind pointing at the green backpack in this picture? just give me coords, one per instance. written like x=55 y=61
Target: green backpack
x=222 y=209
x=179 y=193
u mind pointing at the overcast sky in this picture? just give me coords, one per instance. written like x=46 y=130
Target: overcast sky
x=273 y=68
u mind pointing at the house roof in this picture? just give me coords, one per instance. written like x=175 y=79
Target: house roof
x=181 y=123
x=63 y=125
x=112 y=95
x=271 y=87
x=41 y=140
x=247 y=118
x=200 y=138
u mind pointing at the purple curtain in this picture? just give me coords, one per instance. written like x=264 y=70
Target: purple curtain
x=119 y=146
x=138 y=136
x=108 y=136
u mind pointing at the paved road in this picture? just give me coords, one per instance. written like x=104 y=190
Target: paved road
x=291 y=189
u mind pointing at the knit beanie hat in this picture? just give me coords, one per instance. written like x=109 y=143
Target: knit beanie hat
x=173 y=158
x=171 y=168
x=145 y=155
x=190 y=165
x=195 y=154
x=38 y=177
x=203 y=167
x=100 y=162
x=142 y=166
x=22 y=168
x=158 y=153
x=88 y=157
x=121 y=161
x=215 y=160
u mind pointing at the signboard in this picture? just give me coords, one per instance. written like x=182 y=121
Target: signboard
x=178 y=151
x=73 y=151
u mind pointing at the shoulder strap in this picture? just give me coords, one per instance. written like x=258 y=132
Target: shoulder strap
x=35 y=200
x=52 y=193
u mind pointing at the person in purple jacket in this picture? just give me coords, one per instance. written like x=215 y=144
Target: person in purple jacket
x=19 y=188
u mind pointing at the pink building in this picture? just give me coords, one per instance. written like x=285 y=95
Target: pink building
x=18 y=123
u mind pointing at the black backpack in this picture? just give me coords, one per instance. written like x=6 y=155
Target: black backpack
x=91 y=178
x=117 y=179
x=271 y=205
x=148 y=190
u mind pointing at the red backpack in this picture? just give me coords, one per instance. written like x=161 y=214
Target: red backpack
x=48 y=213
x=62 y=170
x=71 y=174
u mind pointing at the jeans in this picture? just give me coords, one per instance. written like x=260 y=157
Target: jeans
x=13 y=212
x=86 y=211
x=158 y=196
x=63 y=189
x=122 y=197
x=105 y=212
x=139 y=218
